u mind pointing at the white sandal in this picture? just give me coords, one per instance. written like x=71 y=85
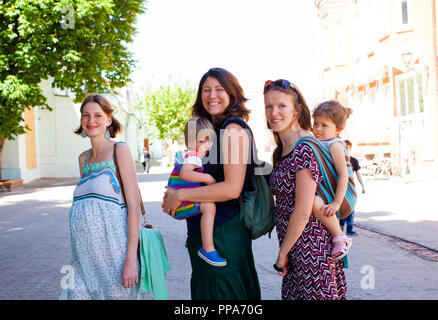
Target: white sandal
x=343 y=249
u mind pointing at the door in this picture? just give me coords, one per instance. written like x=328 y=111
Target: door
x=29 y=120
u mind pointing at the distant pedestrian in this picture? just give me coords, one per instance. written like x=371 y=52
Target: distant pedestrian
x=104 y=233
x=220 y=99
x=147 y=160
x=356 y=167
x=304 y=258
x=329 y=119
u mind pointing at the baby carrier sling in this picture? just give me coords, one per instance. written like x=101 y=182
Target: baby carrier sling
x=327 y=189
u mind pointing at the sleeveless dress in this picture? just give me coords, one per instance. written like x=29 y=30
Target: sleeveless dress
x=98 y=234
x=312 y=274
x=238 y=280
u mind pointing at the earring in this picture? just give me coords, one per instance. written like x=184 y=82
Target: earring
x=84 y=134
x=107 y=134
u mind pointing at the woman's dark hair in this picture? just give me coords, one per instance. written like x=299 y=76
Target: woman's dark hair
x=115 y=126
x=304 y=118
x=236 y=108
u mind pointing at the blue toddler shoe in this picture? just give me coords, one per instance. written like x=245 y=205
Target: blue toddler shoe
x=212 y=258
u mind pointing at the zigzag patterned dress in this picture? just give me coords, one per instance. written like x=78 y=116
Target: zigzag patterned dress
x=98 y=232
x=312 y=274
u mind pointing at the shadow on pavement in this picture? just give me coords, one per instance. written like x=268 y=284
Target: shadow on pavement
x=422 y=232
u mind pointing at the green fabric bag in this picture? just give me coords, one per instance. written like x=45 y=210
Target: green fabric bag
x=154 y=263
x=257 y=209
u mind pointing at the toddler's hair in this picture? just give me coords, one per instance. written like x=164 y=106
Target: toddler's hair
x=200 y=124
x=333 y=110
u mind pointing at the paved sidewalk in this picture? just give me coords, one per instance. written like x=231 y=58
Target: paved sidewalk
x=400 y=207
x=35 y=241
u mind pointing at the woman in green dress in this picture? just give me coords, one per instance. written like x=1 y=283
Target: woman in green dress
x=220 y=99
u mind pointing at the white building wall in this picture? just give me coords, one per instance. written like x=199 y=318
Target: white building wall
x=57 y=146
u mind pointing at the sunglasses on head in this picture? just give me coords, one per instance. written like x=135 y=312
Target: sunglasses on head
x=278 y=83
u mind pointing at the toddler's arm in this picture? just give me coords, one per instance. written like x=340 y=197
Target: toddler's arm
x=188 y=173
x=338 y=154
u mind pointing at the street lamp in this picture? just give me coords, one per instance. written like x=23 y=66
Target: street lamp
x=406 y=58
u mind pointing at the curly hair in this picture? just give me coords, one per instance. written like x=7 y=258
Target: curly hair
x=333 y=110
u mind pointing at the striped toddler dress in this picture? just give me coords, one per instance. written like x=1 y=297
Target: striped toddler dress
x=187 y=208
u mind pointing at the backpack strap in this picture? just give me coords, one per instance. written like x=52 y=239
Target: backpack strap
x=244 y=125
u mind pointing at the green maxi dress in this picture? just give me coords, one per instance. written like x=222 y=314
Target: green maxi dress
x=238 y=280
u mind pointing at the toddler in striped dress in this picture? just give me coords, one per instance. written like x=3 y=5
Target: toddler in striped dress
x=188 y=173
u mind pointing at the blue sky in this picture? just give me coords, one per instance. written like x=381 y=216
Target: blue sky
x=256 y=40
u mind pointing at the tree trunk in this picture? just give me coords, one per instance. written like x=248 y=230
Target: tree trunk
x=2 y=143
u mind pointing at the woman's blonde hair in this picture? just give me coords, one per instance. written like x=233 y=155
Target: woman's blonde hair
x=199 y=124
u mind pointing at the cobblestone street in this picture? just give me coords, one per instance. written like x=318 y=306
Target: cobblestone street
x=35 y=243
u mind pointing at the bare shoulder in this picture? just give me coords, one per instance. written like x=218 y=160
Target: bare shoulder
x=236 y=130
x=121 y=147
x=337 y=147
x=81 y=157
x=122 y=150
x=234 y=126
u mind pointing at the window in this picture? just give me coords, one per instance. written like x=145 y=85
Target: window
x=404 y=20
x=403 y=97
x=411 y=95
x=404 y=12
x=420 y=93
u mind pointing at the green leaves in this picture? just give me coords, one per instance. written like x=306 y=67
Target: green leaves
x=167 y=110
x=81 y=44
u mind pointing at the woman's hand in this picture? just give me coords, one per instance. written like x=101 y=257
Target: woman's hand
x=130 y=273
x=171 y=201
x=282 y=261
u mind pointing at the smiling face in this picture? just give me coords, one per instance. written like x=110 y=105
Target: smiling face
x=214 y=97
x=324 y=128
x=280 y=110
x=94 y=120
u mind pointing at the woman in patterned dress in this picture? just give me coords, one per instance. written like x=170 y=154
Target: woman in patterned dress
x=304 y=258
x=104 y=233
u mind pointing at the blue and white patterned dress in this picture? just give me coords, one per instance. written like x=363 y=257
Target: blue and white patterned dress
x=98 y=231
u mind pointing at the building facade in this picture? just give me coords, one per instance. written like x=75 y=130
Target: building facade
x=379 y=57
x=50 y=149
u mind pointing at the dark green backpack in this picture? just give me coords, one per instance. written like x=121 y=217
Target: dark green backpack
x=257 y=209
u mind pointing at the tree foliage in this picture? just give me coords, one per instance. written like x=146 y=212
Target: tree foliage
x=167 y=110
x=81 y=44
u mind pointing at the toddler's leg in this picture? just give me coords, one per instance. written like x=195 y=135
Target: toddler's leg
x=208 y=211
x=341 y=243
x=208 y=252
x=331 y=223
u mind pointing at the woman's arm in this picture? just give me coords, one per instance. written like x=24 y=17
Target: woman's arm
x=304 y=197
x=235 y=147
x=130 y=186
x=359 y=177
x=337 y=152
